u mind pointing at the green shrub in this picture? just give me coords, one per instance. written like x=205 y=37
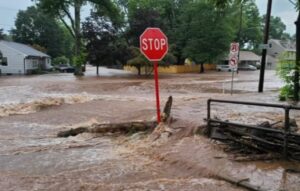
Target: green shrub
x=286 y=71
x=60 y=60
x=286 y=92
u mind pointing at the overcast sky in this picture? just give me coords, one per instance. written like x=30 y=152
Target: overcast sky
x=281 y=8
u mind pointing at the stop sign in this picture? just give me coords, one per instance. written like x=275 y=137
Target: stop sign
x=154 y=44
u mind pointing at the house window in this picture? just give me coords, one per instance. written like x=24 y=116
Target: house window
x=4 y=61
x=34 y=63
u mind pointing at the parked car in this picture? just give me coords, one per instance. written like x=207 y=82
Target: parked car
x=64 y=68
x=247 y=67
x=225 y=68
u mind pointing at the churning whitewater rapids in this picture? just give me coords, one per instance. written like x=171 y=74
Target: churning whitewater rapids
x=34 y=109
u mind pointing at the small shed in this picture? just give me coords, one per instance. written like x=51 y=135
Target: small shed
x=17 y=58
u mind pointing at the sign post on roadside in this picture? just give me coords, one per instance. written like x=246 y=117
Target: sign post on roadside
x=234 y=60
x=154 y=45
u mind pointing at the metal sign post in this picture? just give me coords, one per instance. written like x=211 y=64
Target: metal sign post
x=157 y=91
x=233 y=60
x=154 y=46
x=231 y=91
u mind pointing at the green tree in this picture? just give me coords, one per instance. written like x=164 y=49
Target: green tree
x=103 y=43
x=286 y=36
x=186 y=26
x=33 y=27
x=250 y=32
x=140 y=19
x=60 y=60
x=62 y=10
x=277 y=27
x=138 y=60
x=286 y=71
x=225 y=3
x=2 y=35
x=67 y=42
x=204 y=32
x=297 y=65
x=245 y=19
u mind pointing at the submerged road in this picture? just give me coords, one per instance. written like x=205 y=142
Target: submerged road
x=33 y=109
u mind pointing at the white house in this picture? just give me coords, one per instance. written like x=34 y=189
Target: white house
x=17 y=58
x=276 y=48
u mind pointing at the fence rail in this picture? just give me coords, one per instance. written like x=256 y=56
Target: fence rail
x=286 y=131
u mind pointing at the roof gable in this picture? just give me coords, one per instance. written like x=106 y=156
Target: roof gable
x=25 y=49
x=286 y=45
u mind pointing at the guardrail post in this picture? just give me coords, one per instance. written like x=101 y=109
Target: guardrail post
x=208 y=108
x=286 y=130
x=208 y=117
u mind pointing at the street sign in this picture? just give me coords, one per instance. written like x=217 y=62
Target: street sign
x=154 y=44
x=234 y=54
x=234 y=48
x=265 y=46
x=234 y=59
x=233 y=62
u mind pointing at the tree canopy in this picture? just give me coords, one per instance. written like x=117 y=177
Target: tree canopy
x=33 y=27
x=197 y=29
x=277 y=27
x=206 y=32
x=2 y=35
x=61 y=9
x=104 y=44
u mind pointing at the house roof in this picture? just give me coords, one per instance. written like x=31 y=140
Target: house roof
x=247 y=56
x=25 y=49
x=287 y=45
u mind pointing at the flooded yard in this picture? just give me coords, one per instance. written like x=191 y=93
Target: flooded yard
x=33 y=109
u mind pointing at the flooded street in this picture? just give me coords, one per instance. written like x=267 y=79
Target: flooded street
x=33 y=109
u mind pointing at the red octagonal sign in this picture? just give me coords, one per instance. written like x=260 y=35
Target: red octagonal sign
x=154 y=44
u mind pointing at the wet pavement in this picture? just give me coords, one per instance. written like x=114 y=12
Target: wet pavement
x=33 y=109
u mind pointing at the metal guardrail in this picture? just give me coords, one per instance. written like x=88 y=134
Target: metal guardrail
x=286 y=132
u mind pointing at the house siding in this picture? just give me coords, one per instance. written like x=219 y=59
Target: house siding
x=32 y=63
x=22 y=59
x=15 y=61
x=275 y=50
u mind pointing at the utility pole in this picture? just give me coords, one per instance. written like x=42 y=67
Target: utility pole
x=264 y=52
x=239 y=36
x=297 y=65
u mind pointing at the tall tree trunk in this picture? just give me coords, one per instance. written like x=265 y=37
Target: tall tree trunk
x=202 y=68
x=297 y=66
x=97 y=69
x=77 y=8
x=139 y=69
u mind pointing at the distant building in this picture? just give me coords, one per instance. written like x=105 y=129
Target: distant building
x=17 y=58
x=276 y=48
x=246 y=58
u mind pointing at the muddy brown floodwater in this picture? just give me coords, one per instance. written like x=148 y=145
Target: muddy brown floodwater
x=33 y=109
